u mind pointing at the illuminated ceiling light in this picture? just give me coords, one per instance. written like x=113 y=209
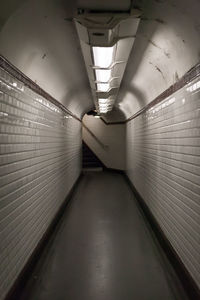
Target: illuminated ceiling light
x=106 y=40
x=105 y=103
x=103 y=109
x=103 y=56
x=101 y=101
x=104 y=106
x=97 y=117
x=103 y=87
x=103 y=75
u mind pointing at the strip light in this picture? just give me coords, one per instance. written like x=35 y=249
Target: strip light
x=105 y=105
x=102 y=101
x=103 y=111
x=108 y=101
x=106 y=41
x=103 y=75
x=103 y=87
x=103 y=56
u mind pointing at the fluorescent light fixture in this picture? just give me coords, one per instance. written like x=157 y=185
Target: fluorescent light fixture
x=103 y=112
x=103 y=87
x=106 y=101
x=106 y=46
x=97 y=117
x=104 y=106
x=102 y=100
x=103 y=75
x=103 y=56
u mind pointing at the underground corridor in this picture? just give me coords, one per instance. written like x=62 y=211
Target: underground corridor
x=99 y=150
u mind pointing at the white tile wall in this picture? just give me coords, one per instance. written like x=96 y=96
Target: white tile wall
x=40 y=160
x=163 y=162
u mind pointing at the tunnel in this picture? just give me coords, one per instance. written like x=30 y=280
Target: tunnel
x=99 y=150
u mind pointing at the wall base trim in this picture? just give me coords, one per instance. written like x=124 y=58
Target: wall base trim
x=186 y=279
x=24 y=275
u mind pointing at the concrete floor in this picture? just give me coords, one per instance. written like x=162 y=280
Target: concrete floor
x=103 y=249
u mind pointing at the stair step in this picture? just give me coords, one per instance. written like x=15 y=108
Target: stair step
x=89 y=159
x=92 y=164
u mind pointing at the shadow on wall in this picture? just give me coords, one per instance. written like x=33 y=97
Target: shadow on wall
x=100 y=143
x=116 y=115
x=137 y=54
x=41 y=40
x=73 y=94
x=111 y=136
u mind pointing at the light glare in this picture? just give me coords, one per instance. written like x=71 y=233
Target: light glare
x=102 y=101
x=103 y=75
x=104 y=105
x=103 y=87
x=103 y=56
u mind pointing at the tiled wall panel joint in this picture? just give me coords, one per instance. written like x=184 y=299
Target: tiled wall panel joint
x=163 y=163
x=40 y=160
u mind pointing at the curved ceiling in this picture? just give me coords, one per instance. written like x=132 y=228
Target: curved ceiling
x=39 y=38
x=167 y=45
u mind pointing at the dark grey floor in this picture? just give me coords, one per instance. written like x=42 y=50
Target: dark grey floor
x=103 y=249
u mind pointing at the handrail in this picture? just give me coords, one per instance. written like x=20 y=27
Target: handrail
x=105 y=147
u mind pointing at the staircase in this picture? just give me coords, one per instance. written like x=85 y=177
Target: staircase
x=89 y=159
